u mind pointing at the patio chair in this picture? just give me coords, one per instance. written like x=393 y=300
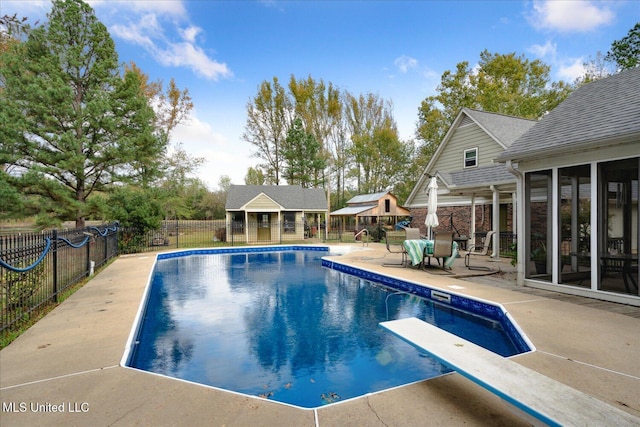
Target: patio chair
x=442 y=247
x=413 y=234
x=479 y=251
x=394 y=241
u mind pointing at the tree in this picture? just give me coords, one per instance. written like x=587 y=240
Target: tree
x=505 y=84
x=626 y=51
x=138 y=211
x=595 y=69
x=302 y=155
x=76 y=124
x=319 y=107
x=268 y=118
x=254 y=176
x=12 y=203
x=375 y=142
x=171 y=108
x=177 y=185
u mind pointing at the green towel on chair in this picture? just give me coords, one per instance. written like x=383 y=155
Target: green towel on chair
x=415 y=250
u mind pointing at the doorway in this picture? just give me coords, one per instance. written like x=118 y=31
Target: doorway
x=619 y=226
x=264 y=227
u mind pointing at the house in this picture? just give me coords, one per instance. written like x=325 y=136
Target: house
x=274 y=213
x=577 y=173
x=475 y=195
x=369 y=210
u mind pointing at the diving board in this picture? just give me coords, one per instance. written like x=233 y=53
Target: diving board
x=537 y=395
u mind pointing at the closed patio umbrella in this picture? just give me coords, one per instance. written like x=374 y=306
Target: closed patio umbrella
x=432 y=206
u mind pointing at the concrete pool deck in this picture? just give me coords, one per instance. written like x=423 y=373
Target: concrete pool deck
x=65 y=369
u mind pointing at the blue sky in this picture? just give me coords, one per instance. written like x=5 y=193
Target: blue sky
x=222 y=50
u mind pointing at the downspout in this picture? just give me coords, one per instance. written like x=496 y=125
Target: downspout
x=519 y=215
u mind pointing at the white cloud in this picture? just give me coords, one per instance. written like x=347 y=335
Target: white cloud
x=404 y=63
x=189 y=34
x=544 y=51
x=141 y=33
x=570 y=15
x=187 y=55
x=199 y=140
x=155 y=37
x=573 y=69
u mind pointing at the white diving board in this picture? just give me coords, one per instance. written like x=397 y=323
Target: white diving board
x=537 y=395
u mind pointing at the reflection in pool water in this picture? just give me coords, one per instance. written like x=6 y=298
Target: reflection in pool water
x=280 y=326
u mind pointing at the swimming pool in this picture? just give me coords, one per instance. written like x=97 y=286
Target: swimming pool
x=284 y=324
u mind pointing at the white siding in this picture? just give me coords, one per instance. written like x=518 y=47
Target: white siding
x=262 y=203
x=451 y=158
x=471 y=136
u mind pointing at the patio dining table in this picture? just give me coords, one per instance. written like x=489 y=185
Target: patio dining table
x=418 y=249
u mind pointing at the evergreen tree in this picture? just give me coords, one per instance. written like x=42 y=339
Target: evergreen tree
x=302 y=154
x=72 y=122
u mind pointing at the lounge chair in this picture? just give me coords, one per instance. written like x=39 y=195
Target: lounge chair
x=479 y=251
x=442 y=247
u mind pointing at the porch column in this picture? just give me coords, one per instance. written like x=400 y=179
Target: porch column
x=496 y=223
x=472 y=228
x=246 y=227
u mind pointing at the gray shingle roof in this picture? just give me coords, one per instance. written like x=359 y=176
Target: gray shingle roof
x=483 y=176
x=504 y=129
x=603 y=112
x=292 y=197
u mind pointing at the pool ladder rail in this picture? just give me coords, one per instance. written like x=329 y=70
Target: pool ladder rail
x=363 y=233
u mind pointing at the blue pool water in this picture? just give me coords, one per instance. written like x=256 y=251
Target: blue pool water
x=280 y=325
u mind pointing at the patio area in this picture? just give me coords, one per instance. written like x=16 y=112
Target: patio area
x=66 y=369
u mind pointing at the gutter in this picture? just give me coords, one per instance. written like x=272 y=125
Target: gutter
x=595 y=144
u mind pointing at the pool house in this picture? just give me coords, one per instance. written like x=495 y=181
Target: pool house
x=274 y=213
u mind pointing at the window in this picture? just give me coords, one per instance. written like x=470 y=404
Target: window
x=538 y=193
x=289 y=225
x=265 y=220
x=237 y=223
x=471 y=158
x=387 y=205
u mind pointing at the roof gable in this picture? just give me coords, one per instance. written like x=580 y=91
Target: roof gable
x=505 y=130
x=501 y=129
x=262 y=202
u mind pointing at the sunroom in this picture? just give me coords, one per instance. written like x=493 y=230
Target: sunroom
x=578 y=171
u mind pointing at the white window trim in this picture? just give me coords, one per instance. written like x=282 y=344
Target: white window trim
x=464 y=158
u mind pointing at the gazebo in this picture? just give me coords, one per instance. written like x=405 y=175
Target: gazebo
x=369 y=209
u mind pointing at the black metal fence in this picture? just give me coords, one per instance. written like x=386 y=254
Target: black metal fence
x=36 y=268
x=197 y=234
